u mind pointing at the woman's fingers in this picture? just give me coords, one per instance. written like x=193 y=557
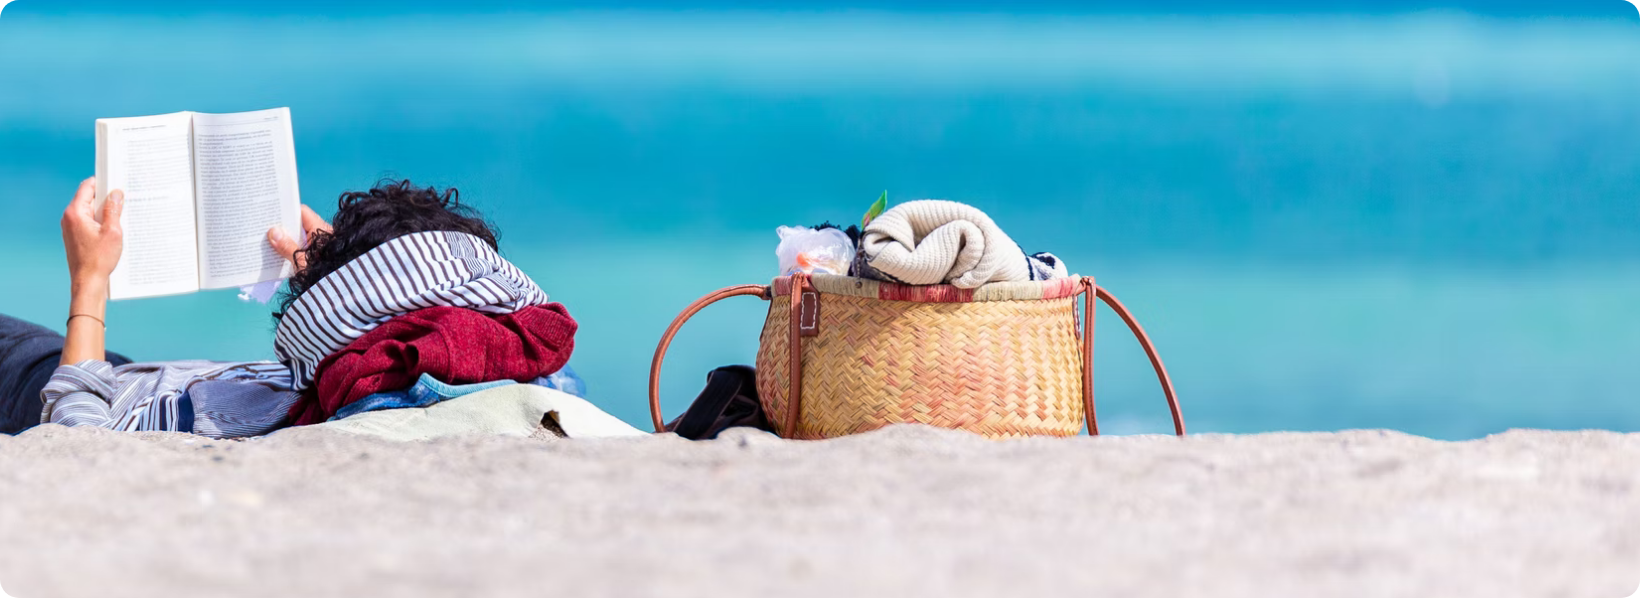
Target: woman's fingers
x=86 y=193
x=287 y=246
x=282 y=243
x=311 y=222
x=80 y=206
x=113 y=207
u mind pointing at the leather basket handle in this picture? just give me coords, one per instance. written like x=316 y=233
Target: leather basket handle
x=1091 y=291
x=677 y=323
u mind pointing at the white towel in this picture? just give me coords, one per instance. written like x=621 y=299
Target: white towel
x=933 y=241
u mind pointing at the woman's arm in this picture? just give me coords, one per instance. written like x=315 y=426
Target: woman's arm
x=93 y=243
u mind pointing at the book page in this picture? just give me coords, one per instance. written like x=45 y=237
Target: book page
x=245 y=173
x=149 y=159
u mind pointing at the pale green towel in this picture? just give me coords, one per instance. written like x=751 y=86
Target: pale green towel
x=513 y=410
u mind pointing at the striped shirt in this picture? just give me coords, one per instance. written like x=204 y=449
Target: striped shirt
x=215 y=399
x=415 y=271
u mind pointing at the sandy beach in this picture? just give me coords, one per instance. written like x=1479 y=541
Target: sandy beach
x=902 y=511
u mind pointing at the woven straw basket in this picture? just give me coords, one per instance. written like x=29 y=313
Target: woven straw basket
x=1001 y=360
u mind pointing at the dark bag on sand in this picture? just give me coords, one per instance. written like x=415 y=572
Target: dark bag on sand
x=729 y=400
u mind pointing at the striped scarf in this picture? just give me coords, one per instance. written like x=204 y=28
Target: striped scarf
x=415 y=271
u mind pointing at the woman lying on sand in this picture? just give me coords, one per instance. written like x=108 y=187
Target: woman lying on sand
x=406 y=282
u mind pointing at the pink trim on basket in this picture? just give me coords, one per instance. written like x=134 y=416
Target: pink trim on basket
x=1058 y=288
x=939 y=293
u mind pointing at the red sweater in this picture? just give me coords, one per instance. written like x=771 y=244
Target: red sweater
x=456 y=345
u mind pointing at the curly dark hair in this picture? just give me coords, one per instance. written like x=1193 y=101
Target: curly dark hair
x=366 y=219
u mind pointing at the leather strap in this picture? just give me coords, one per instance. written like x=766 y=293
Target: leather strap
x=1089 y=307
x=666 y=339
x=802 y=292
x=1144 y=341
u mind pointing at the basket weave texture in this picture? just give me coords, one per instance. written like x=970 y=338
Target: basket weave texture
x=994 y=365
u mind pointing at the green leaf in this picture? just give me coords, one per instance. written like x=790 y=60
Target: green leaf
x=876 y=209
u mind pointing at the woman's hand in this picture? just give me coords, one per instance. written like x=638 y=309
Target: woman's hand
x=92 y=241
x=288 y=247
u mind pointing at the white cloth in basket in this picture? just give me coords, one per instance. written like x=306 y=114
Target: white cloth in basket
x=932 y=241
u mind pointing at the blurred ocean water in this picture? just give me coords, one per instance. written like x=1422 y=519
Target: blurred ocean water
x=1425 y=222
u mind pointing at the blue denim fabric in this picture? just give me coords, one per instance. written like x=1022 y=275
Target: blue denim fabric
x=28 y=356
x=429 y=390
x=564 y=380
x=425 y=392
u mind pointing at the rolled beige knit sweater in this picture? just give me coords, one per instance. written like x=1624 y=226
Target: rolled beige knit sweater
x=933 y=241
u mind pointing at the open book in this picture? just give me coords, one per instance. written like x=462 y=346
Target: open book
x=201 y=192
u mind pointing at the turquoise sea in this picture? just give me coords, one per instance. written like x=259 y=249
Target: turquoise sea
x=1426 y=220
